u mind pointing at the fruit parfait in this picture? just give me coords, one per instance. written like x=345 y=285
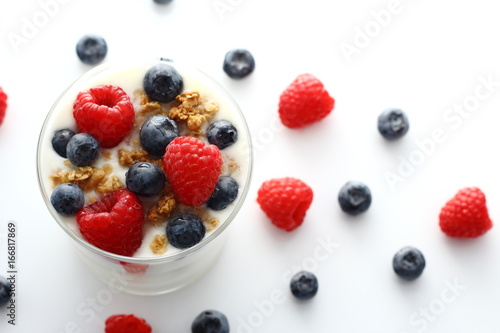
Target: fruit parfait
x=144 y=165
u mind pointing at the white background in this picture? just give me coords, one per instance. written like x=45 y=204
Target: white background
x=427 y=58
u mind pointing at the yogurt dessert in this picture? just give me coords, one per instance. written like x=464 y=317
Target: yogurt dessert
x=144 y=165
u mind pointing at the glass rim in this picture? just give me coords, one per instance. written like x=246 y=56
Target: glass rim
x=165 y=257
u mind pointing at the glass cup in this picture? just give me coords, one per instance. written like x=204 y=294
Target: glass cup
x=151 y=274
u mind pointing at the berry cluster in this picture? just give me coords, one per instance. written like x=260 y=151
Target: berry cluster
x=105 y=117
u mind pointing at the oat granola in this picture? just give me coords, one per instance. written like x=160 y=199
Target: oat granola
x=159 y=244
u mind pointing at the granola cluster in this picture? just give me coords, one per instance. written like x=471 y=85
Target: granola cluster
x=193 y=110
x=89 y=178
x=127 y=158
x=159 y=244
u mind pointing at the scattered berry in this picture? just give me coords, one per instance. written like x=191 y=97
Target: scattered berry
x=91 y=49
x=60 y=141
x=466 y=214
x=156 y=133
x=185 y=230
x=226 y=191
x=304 y=101
x=3 y=105
x=162 y=83
x=106 y=112
x=304 y=285
x=82 y=149
x=126 y=324
x=192 y=168
x=4 y=291
x=393 y=124
x=222 y=134
x=238 y=63
x=144 y=178
x=67 y=199
x=285 y=201
x=355 y=198
x=408 y=263
x=114 y=223
x=210 y=321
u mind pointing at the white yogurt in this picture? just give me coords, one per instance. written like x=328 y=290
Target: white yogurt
x=130 y=79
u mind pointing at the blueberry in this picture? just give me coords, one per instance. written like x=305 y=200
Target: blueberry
x=4 y=291
x=393 y=124
x=162 y=83
x=60 y=141
x=145 y=179
x=304 y=285
x=225 y=192
x=210 y=321
x=162 y=1
x=82 y=149
x=408 y=263
x=185 y=230
x=156 y=133
x=222 y=134
x=91 y=49
x=238 y=63
x=355 y=198
x=67 y=199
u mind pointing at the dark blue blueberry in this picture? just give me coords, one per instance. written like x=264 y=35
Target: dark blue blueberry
x=222 y=133
x=210 y=321
x=67 y=199
x=238 y=63
x=185 y=230
x=304 y=285
x=82 y=149
x=156 y=133
x=60 y=141
x=4 y=291
x=393 y=124
x=225 y=192
x=145 y=179
x=408 y=263
x=162 y=1
x=91 y=49
x=355 y=198
x=162 y=83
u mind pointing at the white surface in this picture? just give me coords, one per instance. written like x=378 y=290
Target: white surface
x=429 y=57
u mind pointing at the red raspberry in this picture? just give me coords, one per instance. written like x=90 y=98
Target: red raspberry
x=192 y=168
x=134 y=268
x=304 y=101
x=126 y=324
x=105 y=112
x=466 y=214
x=285 y=201
x=114 y=223
x=3 y=105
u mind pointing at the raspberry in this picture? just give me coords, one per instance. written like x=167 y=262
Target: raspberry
x=126 y=324
x=114 y=223
x=304 y=101
x=466 y=214
x=3 y=105
x=134 y=268
x=285 y=201
x=192 y=168
x=105 y=112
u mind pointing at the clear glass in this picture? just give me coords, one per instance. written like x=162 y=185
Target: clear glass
x=157 y=274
